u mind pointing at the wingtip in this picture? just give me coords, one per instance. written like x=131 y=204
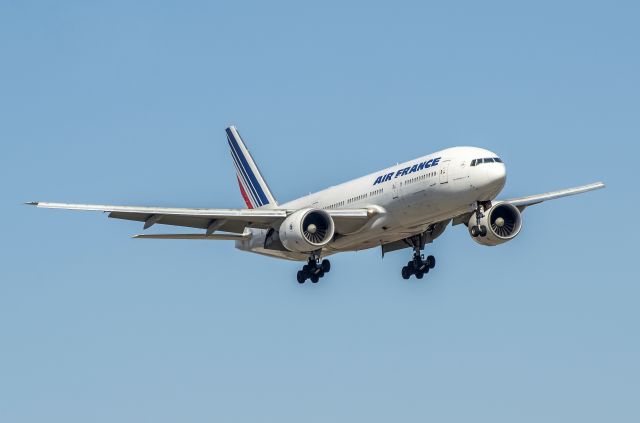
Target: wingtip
x=32 y=203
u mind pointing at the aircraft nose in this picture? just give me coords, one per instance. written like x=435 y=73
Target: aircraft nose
x=497 y=175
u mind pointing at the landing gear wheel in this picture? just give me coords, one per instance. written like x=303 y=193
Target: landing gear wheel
x=326 y=266
x=419 y=265
x=475 y=231
x=314 y=269
x=483 y=231
x=411 y=267
x=406 y=272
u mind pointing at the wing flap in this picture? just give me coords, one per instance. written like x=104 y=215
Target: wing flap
x=186 y=221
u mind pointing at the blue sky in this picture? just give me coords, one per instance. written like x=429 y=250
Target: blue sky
x=126 y=103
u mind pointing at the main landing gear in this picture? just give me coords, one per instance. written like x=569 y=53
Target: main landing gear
x=314 y=269
x=418 y=266
x=478 y=229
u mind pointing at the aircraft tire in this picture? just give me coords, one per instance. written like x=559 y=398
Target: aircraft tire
x=301 y=276
x=406 y=272
x=411 y=266
x=431 y=262
x=326 y=266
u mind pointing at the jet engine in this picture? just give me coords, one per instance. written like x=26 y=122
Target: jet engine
x=306 y=230
x=502 y=222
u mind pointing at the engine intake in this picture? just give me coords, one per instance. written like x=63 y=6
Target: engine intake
x=503 y=222
x=306 y=230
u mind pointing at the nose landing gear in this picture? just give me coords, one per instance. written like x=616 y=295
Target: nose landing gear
x=478 y=229
x=418 y=266
x=314 y=269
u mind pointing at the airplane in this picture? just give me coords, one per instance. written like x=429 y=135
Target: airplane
x=408 y=205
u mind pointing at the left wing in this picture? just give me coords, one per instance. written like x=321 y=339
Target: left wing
x=228 y=220
x=523 y=202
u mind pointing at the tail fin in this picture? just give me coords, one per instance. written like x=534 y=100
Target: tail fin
x=254 y=189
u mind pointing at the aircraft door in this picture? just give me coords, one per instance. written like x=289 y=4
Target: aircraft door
x=396 y=190
x=444 y=172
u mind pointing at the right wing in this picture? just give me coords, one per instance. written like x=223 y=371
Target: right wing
x=227 y=220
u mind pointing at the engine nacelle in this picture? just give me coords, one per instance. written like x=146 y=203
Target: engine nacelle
x=503 y=222
x=306 y=230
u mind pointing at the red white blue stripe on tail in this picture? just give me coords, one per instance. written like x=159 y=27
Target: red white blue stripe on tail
x=254 y=189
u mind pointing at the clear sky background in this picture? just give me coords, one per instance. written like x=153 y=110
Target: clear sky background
x=126 y=103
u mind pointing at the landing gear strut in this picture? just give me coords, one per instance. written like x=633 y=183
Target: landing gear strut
x=314 y=269
x=418 y=265
x=478 y=229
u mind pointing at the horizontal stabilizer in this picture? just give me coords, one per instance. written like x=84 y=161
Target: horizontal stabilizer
x=214 y=237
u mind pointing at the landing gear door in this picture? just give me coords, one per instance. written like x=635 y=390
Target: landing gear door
x=444 y=172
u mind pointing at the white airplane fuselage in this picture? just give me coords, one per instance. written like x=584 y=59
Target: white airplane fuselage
x=408 y=205
x=406 y=199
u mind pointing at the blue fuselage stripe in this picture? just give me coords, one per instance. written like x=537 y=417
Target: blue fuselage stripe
x=247 y=168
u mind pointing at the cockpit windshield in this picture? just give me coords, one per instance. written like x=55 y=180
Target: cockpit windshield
x=476 y=162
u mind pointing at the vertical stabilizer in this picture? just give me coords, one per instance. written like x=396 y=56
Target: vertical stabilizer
x=253 y=187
